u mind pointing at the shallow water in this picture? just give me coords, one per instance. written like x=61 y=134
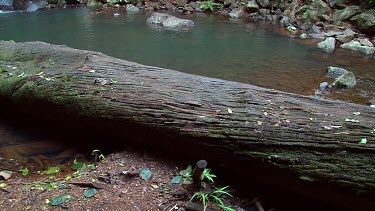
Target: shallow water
x=218 y=47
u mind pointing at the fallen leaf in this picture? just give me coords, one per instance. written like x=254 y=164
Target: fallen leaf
x=259 y=123
x=356 y=113
x=145 y=174
x=3 y=185
x=59 y=200
x=6 y=174
x=51 y=170
x=230 y=110
x=176 y=180
x=40 y=73
x=89 y=192
x=154 y=186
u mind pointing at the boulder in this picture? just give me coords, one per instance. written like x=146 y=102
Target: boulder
x=252 y=6
x=237 y=12
x=131 y=8
x=346 y=80
x=169 y=21
x=365 y=22
x=264 y=3
x=365 y=42
x=356 y=46
x=335 y=72
x=328 y=45
x=94 y=3
x=346 y=14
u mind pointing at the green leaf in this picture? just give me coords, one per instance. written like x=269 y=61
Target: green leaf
x=90 y=192
x=59 y=200
x=24 y=171
x=40 y=73
x=363 y=141
x=51 y=170
x=77 y=165
x=186 y=171
x=176 y=180
x=145 y=174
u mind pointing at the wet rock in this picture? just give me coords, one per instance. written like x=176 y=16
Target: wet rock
x=346 y=14
x=169 y=21
x=323 y=86
x=292 y=29
x=328 y=45
x=356 y=46
x=285 y=21
x=131 y=8
x=303 y=36
x=365 y=42
x=237 y=12
x=316 y=29
x=365 y=22
x=334 y=72
x=346 y=80
x=252 y=6
x=264 y=3
x=20 y=4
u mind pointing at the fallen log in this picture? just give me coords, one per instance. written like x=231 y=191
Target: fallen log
x=238 y=126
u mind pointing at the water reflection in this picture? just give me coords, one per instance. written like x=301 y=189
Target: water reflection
x=216 y=46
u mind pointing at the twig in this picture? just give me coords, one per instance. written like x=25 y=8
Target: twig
x=173 y=207
x=258 y=205
x=6 y=191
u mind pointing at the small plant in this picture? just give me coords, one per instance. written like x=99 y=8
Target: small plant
x=187 y=174
x=206 y=175
x=210 y=5
x=24 y=171
x=98 y=155
x=215 y=196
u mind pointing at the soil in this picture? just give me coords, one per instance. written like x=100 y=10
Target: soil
x=116 y=188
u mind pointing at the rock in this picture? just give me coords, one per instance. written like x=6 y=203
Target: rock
x=335 y=72
x=346 y=14
x=346 y=80
x=365 y=22
x=349 y=32
x=313 y=10
x=264 y=3
x=131 y=8
x=285 y=21
x=328 y=45
x=332 y=33
x=316 y=29
x=365 y=42
x=292 y=29
x=356 y=46
x=344 y=38
x=20 y=4
x=303 y=36
x=237 y=12
x=264 y=12
x=323 y=86
x=181 y=3
x=94 y=3
x=252 y=6
x=169 y=21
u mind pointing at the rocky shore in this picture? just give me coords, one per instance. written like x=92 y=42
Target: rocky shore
x=347 y=24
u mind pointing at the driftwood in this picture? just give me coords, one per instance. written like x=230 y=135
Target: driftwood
x=237 y=126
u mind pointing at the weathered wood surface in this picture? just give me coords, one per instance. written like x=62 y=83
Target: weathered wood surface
x=233 y=121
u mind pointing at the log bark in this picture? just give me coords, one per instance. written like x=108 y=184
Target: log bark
x=238 y=126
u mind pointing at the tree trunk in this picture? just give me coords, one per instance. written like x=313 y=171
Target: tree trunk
x=237 y=126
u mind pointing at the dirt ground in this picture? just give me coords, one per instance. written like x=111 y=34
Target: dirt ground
x=117 y=183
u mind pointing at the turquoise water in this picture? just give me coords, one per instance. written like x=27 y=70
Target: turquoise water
x=218 y=47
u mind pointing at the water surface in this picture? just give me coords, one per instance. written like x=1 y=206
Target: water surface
x=217 y=47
